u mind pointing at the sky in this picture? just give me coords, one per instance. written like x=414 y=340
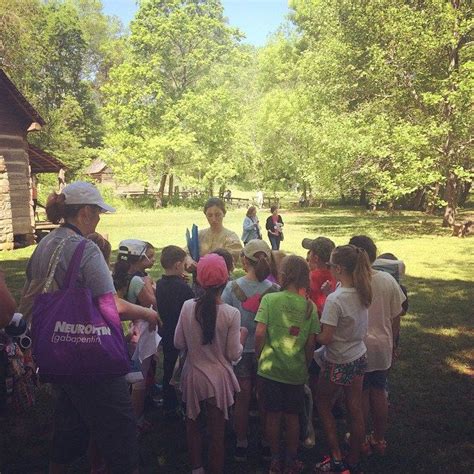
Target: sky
x=255 y=18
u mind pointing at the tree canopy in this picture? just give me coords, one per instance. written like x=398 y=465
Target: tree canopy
x=369 y=100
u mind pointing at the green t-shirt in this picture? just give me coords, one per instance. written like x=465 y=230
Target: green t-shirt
x=288 y=328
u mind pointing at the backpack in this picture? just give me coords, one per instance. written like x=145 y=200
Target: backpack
x=251 y=303
x=18 y=384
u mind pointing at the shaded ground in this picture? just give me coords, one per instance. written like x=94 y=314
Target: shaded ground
x=431 y=386
x=431 y=391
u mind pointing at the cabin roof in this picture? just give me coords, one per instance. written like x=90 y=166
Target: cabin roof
x=42 y=162
x=18 y=100
x=97 y=166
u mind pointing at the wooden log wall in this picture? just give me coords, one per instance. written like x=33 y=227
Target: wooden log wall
x=16 y=213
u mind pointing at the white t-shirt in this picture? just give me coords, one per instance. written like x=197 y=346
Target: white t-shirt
x=387 y=299
x=344 y=310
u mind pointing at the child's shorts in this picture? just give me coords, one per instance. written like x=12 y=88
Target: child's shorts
x=314 y=368
x=284 y=397
x=376 y=379
x=247 y=366
x=344 y=374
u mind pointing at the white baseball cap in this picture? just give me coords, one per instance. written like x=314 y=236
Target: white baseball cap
x=132 y=247
x=81 y=192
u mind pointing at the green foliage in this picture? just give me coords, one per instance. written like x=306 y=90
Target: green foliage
x=170 y=106
x=348 y=98
x=56 y=53
x=381 y=91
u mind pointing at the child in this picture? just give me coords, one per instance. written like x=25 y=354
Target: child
x=319 y=253
x=171 y=292
x=321 y=284
x=287 y=323
x=130 y=280
x=345 y=321
x=228 y=258
x=384 y=325
x=210 y=331
x=275 y=262
x=103 y=244
x=245 y=294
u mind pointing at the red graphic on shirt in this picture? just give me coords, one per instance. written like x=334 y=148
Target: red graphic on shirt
x=294 y=331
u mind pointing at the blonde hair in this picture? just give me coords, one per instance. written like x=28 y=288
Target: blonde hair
x=356 y=261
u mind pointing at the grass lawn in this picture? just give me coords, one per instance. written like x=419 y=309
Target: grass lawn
x=431 y=386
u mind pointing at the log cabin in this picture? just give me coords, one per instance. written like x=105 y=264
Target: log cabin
x=17 y=118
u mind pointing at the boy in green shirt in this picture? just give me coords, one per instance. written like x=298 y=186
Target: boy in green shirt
x=287 y=324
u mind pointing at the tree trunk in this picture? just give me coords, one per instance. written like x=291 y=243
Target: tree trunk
x=431 y=202
x=464 y=192
x=451 y=191
x=419 y=198
x=221 y=191
x=363 y=197
x=451 y=197
x=170 y=186
x=161 y=190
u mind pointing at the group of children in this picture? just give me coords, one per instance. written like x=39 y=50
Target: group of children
x=330 y=321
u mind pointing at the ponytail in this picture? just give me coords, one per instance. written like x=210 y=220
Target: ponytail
x=206 y=313
x=56 y=207
x=57 y=210
x=362 y=277
x=261 y=266
x=120 y=275
x=356 y=262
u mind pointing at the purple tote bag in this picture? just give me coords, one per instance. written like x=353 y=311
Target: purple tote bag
x=74 y=342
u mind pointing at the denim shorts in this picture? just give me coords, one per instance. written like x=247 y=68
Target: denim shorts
x=344 y=374
x=376 y=379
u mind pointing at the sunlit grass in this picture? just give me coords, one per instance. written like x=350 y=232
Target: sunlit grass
x=431 y=383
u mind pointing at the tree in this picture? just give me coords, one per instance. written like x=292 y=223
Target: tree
x=401 y=71
x=170 y=95
x=48 y=50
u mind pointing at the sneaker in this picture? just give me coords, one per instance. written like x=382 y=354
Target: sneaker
x=295 y=467
x=240 y=454
x=265 y=452
x=310 y=441
x=275 y=467
x=365 y=449
x=376 y=447
x=328 y=464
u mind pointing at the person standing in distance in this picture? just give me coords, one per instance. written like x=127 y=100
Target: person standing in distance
x=274 y=226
